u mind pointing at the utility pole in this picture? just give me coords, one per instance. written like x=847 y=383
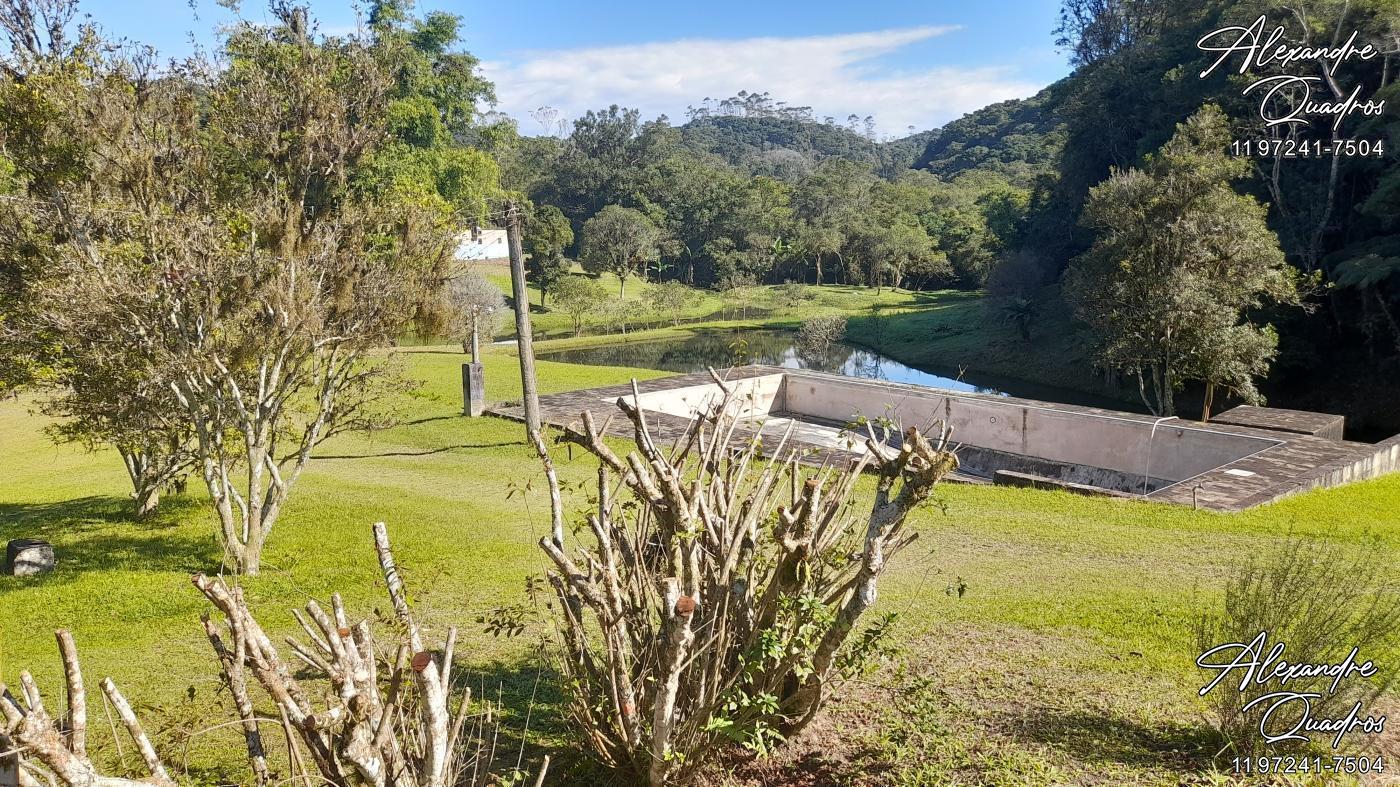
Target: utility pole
x=524 y=339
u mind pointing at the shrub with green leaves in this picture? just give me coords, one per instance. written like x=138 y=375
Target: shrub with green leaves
x=1318 y=601
x=578 y=297
x=672 y=299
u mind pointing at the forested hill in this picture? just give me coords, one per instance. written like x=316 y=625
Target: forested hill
x=1018 y=139
x=783 y=146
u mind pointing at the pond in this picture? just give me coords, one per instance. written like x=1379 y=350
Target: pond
x=721 y=349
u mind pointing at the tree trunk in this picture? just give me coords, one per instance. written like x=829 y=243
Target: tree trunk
x=1165 y=396
x=252 y=558
x=147 y=474
x=1209 y=401
x=147 y=500
x=819 y=270
x=523 y=337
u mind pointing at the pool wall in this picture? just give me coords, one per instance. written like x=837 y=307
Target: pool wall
x=1221 y=466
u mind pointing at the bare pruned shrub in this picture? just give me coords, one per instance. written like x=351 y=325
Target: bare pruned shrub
x=1318 y=602
x=716 y=598
x=386 y=719
x=38 y=748
x=817 y=335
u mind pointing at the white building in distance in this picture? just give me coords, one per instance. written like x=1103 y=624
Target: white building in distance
x=483 y=245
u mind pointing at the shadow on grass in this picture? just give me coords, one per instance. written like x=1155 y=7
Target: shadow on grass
x=99 y=533
x=431 y=418
x=533 y=719
x=430 y=349
x=425 y=452
x=1097 y=738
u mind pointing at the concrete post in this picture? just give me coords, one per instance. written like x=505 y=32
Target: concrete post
x=473 y=390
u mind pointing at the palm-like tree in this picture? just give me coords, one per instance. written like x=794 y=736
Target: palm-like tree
x=1020 y=312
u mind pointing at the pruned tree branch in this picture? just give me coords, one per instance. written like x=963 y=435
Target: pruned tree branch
x=47 y=753
x=387 y=719
x=717 y=596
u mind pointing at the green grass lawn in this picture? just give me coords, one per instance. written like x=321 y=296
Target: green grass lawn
x=765 y=305
x=553 y=323
x=1067 y=659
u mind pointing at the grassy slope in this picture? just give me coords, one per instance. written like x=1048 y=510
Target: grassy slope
x=1098 y=593
x=553 y=323
x=953 y=328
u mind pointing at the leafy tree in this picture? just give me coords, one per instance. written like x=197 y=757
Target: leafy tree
x=1094 y=29
x=102 y=392
x=547 y=233
x=578 y=297
x=529 y=164
x=611 y=315
x=672 y=298
x=620 y=241
x=835 y=200
x=1179 y=261
x=429 y=74
x=222 y=234
x=599 y=165
x=434 y=100
x=107 y=395
x=900 y=249
x=699 y=204
x=817 y=242
x=39 y=79
x=1231 y=356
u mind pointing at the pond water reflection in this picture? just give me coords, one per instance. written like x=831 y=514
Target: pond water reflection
x=721 y=349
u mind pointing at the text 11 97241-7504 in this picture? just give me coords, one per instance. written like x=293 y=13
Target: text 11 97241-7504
x=1350 y=764
x=1308 y=148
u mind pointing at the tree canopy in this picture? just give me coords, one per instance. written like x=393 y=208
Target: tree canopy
x=1179 y=261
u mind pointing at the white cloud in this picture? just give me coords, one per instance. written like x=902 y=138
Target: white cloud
x=832 y=74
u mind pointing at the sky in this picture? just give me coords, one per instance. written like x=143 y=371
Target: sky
x=906 y=63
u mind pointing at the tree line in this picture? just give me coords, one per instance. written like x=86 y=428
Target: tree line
x=1330 y=219
x=640 y=200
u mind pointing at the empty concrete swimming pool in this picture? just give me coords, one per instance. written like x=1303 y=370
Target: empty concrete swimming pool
x=1246 y=457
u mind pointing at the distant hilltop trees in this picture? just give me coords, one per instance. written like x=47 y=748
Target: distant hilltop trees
x=763 y=105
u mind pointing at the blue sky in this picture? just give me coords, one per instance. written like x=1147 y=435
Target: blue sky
x=904 y=62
